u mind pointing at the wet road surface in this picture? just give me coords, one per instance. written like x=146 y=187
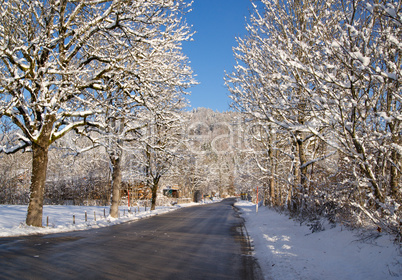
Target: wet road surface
x=200 y=242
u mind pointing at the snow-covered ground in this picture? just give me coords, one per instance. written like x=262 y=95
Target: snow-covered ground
x=59 y=218
x=286 y=250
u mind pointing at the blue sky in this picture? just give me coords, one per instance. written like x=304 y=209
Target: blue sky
x=216 y=23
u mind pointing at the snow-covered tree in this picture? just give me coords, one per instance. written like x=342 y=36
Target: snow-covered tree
x=328 y=72
x=358 y=85
x=152 y=66
x=268 y=83
x=57 y=57
x=160 y=142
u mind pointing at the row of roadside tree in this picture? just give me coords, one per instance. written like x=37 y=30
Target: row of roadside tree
x=98 y=87
x=321 y=82
x=112 y=71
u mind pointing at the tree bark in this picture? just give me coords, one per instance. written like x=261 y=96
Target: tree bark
x=366 y=169
x=40 y=150
x=395 y=174
x=289 y=200
x=38 y=179
x=273 y=199
x=303 y=169
x=272 y=190
x=155 y=187
x=293 y=187
x=116 y=184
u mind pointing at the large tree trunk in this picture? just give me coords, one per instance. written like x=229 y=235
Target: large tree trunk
x=38 y=179
x=40 y=150
x=155 y=187
x=116 y=184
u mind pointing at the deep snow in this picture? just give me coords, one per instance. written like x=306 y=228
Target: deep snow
x=284 y=248
x=287 y=250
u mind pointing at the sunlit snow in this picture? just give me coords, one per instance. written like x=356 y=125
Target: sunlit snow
x=284 y=248
x=287 y=250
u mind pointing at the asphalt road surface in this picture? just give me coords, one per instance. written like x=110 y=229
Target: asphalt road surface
x=201 y=242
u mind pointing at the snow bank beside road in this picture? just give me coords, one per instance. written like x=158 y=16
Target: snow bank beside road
x=286 y=250
x=12 y=218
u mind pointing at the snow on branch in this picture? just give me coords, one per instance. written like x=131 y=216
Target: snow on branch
x=317 y=159
x=15 y=148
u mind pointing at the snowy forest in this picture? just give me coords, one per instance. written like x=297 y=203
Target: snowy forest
x=93 y=103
